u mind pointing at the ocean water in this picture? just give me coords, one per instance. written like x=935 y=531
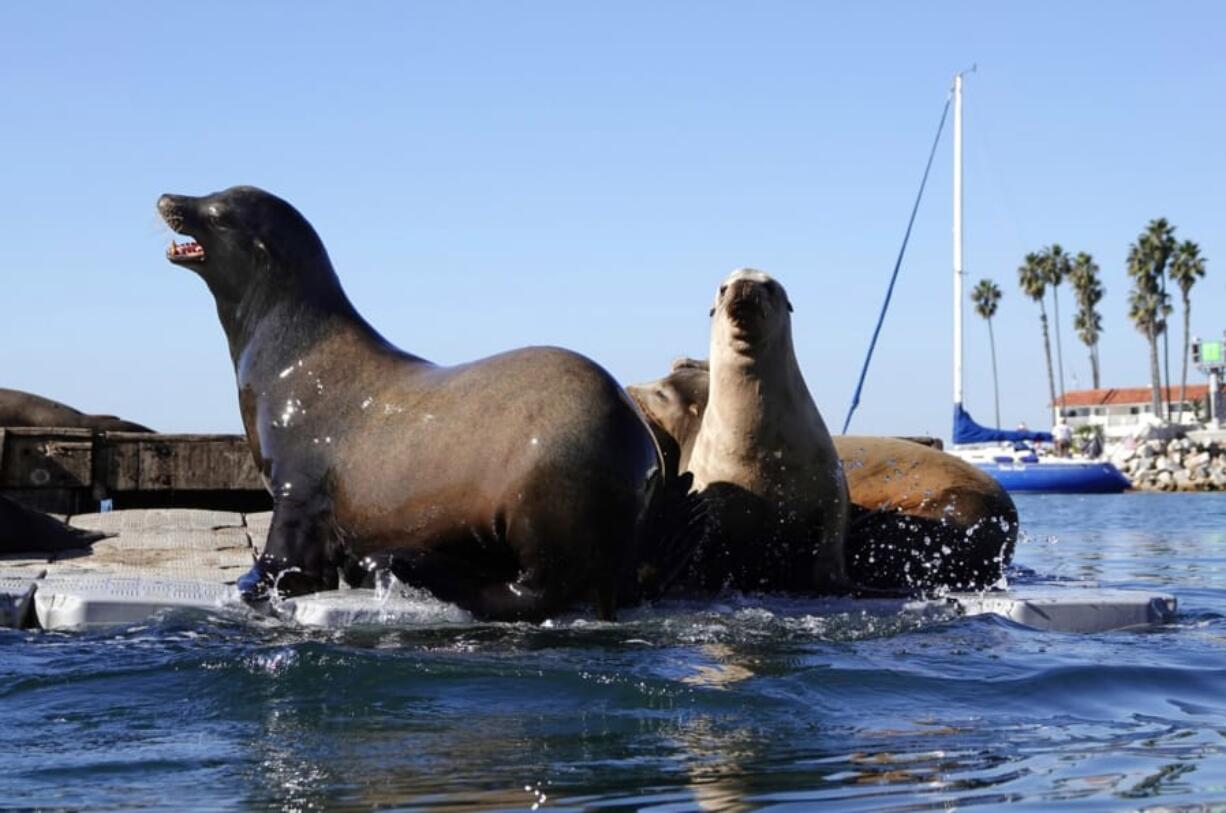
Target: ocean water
x=737 y=704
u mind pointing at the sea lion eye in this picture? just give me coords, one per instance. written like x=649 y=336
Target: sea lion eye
x=722 y=289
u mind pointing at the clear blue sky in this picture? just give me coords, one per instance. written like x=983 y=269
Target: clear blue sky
x=490 y=175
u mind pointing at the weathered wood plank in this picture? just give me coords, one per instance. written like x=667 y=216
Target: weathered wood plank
x=117 y=462
x=198 y=464
x=56 y=459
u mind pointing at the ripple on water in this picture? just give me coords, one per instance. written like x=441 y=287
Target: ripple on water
x=738 y=703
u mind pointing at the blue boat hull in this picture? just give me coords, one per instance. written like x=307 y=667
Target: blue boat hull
x=1058 y=478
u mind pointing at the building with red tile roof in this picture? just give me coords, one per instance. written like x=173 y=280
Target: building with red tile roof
x=1120 y=411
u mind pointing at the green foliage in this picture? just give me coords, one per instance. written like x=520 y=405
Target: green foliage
x=1148 y=303
x=1083 y=276
x=1187 y=266
x=1032 y=277
x=1054 y=264
x=986 y=295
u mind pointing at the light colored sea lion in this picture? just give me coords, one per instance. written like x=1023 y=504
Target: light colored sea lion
x=19 y=408
x=514 y=486
x=674 y=406
x=762 y=457
x=921 y=519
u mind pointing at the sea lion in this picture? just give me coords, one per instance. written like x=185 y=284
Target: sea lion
x=762 y=457
x=24 y=530
x=921 y=519
x=514 y=486
x=924 y=519
x=674 y=406
x=19 y=408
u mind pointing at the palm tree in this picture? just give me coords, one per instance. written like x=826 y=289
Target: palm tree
x=1187 y=266
x=986 y=295
x=1161 y=245
x=1056 y=266
x=1033 y=280
x=1089 y=322
x=1148 y=304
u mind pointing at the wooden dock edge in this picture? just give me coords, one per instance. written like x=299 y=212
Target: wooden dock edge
x=71 y=471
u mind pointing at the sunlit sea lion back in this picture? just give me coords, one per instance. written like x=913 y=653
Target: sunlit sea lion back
x=513 y=486
x=763 y=457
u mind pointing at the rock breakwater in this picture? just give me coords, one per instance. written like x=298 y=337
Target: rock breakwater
x=1178 y=464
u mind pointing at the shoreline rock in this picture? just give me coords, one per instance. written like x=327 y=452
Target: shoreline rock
x=1178 y=464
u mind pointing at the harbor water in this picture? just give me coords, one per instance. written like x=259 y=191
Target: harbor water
x=734 y=704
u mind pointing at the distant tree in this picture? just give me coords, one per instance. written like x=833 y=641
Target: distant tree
x=1162 y=246
x=1088 y=321
x=1033 y=279
x=1056 y=266
x=986 y=295
x=1148 y=303
x=1187 y=266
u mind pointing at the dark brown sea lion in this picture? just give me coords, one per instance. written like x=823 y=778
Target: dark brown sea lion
x=513 y=486
x=19 y=408
x=921 y=519
x=762 y=457
x=24 y=530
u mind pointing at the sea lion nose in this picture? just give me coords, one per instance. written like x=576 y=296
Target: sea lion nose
x=741 y=290
x=171 y=210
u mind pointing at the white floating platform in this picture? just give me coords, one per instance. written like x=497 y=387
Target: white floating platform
x=1072 y=608
x=16 y=593
x=85 y=602
x=401 y=607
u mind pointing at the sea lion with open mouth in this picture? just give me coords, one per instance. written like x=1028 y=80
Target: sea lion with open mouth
x=514 y=486
x=762 y=458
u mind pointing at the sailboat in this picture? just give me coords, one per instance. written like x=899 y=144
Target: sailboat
x=1010 y=456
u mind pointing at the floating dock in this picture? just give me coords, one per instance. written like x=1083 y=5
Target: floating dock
x=160 y=560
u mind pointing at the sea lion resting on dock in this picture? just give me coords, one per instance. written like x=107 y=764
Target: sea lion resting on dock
x=24 y=530
x=921 y=519
x=762 y=458
x=513 y=486
x=19 y=408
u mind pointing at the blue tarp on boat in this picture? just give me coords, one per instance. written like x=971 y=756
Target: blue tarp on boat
x=967 y=431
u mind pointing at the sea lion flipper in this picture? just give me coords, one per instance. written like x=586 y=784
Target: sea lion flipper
x=300 y=554
x=678 y=525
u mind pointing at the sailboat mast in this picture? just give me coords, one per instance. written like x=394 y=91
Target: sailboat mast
x=958 y=238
